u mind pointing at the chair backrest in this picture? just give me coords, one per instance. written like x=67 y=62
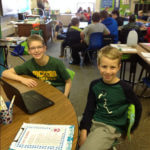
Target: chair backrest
x=73 y=37
x=131 y=117
x=108 y=39
x=71 y=73
x=96 y=41
x=124 y=35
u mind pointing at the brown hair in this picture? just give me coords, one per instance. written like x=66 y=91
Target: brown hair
x=96 y=17
x=109 y=52
x=35 y=37
x=74 y=21
x=104 y=14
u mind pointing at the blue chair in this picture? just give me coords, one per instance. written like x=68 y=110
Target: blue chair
x=95 y=43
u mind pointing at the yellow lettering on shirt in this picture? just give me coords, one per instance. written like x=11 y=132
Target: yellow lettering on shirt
x=45 y=75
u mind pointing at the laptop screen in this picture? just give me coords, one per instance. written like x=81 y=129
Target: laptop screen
x=125 y=22
x=82 y=25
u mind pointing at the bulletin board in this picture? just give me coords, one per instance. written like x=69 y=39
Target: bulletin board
x=107 y=3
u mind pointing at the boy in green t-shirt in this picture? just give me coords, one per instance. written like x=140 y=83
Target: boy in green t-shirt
x=41 y=66
x=105 y=115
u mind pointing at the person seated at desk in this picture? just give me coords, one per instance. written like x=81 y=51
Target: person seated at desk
x=132 y=23
x=111 y=24
x=72 y=35
x=59 y=34
x=116 y=16
x=83 y=16
x=96 y=26
x=105 y=116
x=128 y=27
x=141 y=15
x=41 y=66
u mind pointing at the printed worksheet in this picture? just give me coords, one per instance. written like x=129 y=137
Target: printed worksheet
x=42 y=136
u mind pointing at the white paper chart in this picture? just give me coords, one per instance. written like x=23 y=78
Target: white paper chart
x=42 y=136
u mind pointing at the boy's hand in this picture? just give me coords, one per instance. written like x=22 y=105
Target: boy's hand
x=29 y=82
x=83 y=136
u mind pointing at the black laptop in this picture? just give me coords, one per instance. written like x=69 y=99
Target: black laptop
x=30 y=101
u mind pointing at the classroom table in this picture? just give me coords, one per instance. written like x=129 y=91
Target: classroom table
x=143 y=61
x=132 y=59
x=146 y=46
x=10 y=42
x=60 y=113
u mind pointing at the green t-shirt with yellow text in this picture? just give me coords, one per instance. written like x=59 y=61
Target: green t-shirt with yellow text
x=54 y=72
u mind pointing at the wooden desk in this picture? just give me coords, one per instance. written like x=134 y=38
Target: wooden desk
x=146 y=46
x=145 y=64
x=61 y=113
x=25 y=30
x=142 y=21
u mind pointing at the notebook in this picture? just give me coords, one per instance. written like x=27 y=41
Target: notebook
x=30 y=101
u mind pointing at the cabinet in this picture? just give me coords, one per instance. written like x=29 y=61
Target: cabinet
x=25 y=30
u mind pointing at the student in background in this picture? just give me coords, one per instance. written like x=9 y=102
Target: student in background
x=141 y=15
x=41 y=66
x=132 y=25
x=111 y=24
x=96 y=26
x=59 y=34
x=116 y=16
x=105 y=115
x=72 y=36
x=79 y=10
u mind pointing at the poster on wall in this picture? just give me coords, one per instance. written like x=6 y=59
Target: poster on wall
x=117 y=4
x=125 y=2
x=107 y=3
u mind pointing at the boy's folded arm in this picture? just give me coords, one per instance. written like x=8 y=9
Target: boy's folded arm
x=11 y=74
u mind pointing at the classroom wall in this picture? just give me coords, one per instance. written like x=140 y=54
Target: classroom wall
x=130 y=7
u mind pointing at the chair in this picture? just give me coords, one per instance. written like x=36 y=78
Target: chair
x=40 y=32
x=71 y=73
x=95 y=43
x=146 y=82
x=124 y=35
x=69 y=53
x=131 y=120
x=108 y=39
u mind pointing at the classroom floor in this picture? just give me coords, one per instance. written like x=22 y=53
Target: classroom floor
x=78 y=95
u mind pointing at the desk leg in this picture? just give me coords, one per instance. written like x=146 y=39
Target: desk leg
x=6 y=55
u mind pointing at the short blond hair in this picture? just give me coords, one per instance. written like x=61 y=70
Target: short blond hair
x=109 y=52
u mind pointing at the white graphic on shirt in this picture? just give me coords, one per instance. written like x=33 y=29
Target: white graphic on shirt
x=103 y=94
x=105 y=106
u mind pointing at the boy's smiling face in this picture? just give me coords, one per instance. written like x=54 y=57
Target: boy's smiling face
x=108 y=69
x=37 y=50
